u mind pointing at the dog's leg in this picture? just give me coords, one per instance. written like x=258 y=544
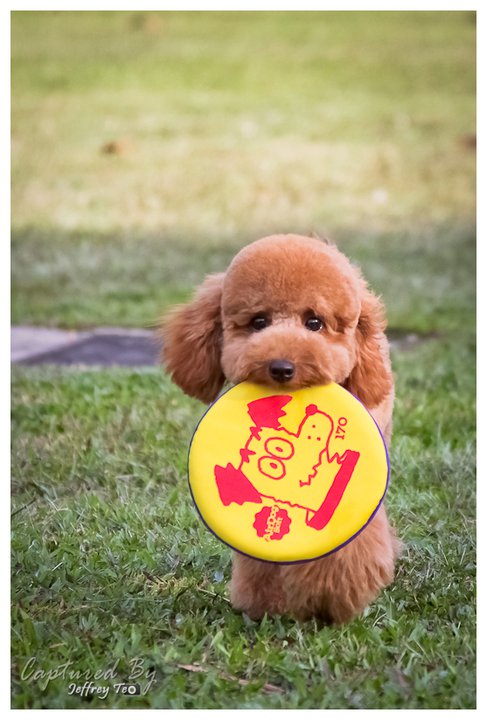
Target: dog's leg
x=256 y=587
x=340 y=586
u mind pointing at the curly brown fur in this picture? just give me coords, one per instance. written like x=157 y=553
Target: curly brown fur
x=288 y=279
x=192 y=339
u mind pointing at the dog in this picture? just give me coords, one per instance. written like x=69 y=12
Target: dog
x=292 y=312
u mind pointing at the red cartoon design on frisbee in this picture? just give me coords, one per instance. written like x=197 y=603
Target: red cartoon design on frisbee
x=272 y=523
x=289 y=468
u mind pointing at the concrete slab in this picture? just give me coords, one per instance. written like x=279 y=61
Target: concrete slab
x=102 y=346
x=26 y=341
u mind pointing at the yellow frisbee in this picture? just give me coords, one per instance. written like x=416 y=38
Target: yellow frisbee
x=287 y=476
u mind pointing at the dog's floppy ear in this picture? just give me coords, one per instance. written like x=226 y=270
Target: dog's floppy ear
x=371 y=378
x=192 y=340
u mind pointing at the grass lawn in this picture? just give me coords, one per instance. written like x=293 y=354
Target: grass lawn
x=111 y=563
x=355 y=125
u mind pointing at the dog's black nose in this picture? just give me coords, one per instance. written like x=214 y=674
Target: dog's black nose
x=281 y=370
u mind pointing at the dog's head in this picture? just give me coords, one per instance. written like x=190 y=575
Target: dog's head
x=290 y=312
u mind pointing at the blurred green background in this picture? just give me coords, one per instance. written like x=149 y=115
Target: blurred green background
x=146 y=149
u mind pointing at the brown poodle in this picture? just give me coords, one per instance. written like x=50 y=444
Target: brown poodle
x=291 y=312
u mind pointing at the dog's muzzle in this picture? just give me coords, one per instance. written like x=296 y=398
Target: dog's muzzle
x=281 y=370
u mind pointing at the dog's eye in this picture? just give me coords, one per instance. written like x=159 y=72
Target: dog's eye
x=259 y=322
x=314 y=324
